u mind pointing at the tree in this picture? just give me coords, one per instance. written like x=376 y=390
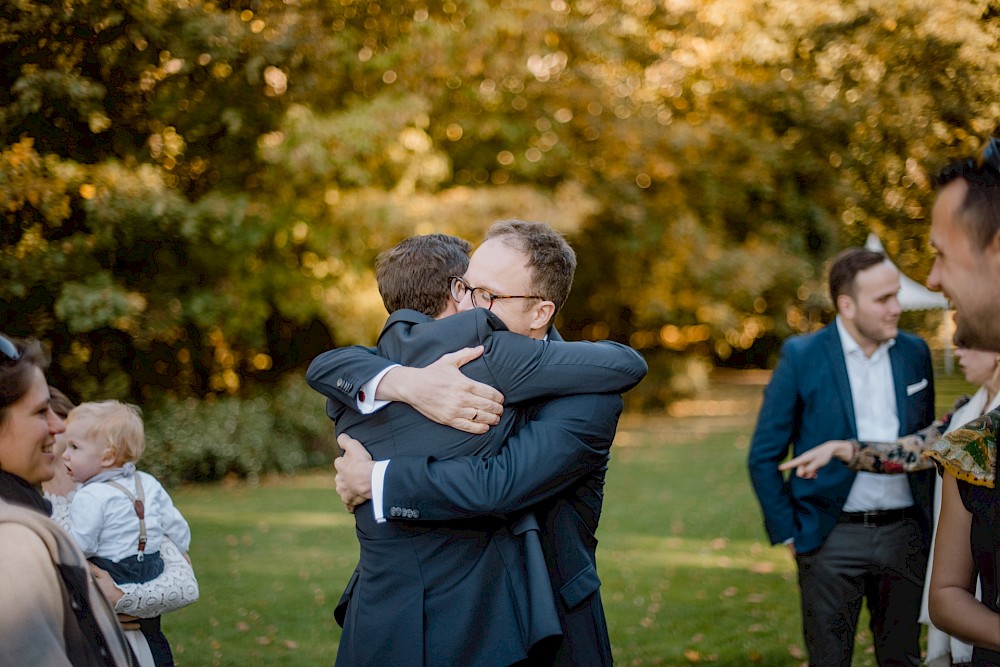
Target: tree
x=194 y=192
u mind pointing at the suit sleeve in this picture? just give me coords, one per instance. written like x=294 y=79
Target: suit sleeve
x=339 y=374
x=777 y=427
x=527 y=369
x=569 y=438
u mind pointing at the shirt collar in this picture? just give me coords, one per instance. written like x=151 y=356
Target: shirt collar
x=851 y=346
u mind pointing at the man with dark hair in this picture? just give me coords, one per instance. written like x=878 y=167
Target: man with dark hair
x=965 y=232
x=415 y=273
x=475 y=590
x=854 y=536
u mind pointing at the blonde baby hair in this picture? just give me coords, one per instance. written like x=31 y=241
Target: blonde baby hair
x=116 y=426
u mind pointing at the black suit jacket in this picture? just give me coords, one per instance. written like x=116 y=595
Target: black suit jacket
x=468 y=592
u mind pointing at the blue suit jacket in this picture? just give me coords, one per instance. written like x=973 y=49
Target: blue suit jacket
x=474 y=591
x=808 y=402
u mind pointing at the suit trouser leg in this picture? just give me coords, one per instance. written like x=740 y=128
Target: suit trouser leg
x=894 y=594
x=884 y=564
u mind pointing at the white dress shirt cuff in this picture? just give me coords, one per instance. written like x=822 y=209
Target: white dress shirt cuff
x=367 y=403
x=378 y=483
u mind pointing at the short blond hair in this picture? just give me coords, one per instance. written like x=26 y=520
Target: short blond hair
x=114 y=425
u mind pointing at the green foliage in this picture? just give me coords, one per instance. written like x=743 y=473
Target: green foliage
x=192 y=440
x=193 y=193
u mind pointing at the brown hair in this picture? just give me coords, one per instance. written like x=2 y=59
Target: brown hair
x=845 y=268
x=551 y=260
x=60 y=403
x=15 y=375
x=415 y=272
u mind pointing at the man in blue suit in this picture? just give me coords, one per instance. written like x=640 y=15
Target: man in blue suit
x=854 y=536
x=454 y=563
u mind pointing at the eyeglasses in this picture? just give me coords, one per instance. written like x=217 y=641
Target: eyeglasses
x=8 y=349
x=990 y=154
x=481 y=297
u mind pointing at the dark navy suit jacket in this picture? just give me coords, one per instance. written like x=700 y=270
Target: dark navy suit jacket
x=468 y=592
x=808 y=402
x=555 y=465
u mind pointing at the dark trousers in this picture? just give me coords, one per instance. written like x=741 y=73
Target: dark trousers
x=884 y=565
x=131 y=570
x=158 y=645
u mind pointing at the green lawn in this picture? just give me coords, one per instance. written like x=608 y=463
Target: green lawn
x=688 y=575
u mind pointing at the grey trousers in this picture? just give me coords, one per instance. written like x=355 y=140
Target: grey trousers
x=883 y=565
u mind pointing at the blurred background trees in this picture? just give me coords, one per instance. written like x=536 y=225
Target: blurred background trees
x=193 y=192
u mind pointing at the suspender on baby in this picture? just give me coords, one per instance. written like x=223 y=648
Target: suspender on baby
x=140 y=510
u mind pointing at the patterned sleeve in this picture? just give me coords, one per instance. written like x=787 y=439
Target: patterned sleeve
x=175 y=588
x=970 y=451
x=907 y=454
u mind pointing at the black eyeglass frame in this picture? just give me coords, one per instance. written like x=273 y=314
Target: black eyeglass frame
x=8 y=349
x=489 y=296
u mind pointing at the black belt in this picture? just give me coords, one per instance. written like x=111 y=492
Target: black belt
x=874 y=518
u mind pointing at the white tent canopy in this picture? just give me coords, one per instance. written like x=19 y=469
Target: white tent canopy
x=912 y=295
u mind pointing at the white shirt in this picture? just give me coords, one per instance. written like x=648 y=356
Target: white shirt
x=873 y=393
x=104 y=523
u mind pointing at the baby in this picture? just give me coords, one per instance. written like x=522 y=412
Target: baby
x=119 y=515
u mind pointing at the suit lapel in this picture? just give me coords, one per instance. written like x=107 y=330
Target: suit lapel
x=899 y=384
x=838 y=366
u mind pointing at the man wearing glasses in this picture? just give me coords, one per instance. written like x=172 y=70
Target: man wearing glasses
x=555 y=464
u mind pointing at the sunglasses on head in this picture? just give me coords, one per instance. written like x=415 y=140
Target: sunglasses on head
x=8 y=349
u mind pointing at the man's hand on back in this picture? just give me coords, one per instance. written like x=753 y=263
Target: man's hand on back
x=354 y=472
x=443 y=394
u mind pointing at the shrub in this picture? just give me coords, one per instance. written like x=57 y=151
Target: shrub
x=203 y=440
